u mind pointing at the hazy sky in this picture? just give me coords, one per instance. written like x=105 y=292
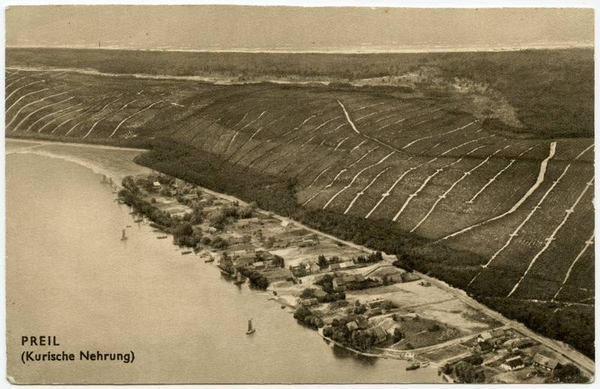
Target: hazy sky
x=292 y=28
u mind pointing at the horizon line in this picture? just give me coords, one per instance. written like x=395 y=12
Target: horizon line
x=434 y=49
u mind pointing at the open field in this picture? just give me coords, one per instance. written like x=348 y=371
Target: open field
x=431 y=165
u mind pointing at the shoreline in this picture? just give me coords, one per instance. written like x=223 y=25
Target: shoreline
x=279 y=299
x=565 y=350
x=98 y=168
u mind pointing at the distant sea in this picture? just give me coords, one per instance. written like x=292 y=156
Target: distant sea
x=362 y=48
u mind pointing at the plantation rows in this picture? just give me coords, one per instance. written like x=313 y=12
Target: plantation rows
x=524 y=205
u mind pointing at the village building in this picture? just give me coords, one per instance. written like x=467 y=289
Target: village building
x=248 y=222
x=484 y=347
x=515 y=344
x=374 y=304
x=156 y=185
x=313 y=267
x=491 y=335
x=352 y=326
x=346 y=265
x=310 y=302
x=243 y=260
x=379 y=335
x=513 y=363
x=334 y=266
x=340 y=282
x=299 y=270
x=543 y=362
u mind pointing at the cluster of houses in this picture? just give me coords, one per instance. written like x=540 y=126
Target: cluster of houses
x=377 y=334
x=540 y=361
x=258 y=259
x=491 y=341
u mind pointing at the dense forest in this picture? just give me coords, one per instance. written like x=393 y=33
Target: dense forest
x=571 y=324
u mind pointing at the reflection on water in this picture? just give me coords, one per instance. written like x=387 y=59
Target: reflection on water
x=70 y=275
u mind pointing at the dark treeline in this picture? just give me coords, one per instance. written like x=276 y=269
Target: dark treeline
x=552 y=90
x=277 y=194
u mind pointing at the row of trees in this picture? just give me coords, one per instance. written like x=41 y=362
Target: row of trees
x=308 y=317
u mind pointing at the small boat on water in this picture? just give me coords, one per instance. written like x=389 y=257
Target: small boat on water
x=250 y=329
x=162 y=237
x=209 y=260
x=239 y=279
x=186 y=252
x=413 y=366
x=124 y=235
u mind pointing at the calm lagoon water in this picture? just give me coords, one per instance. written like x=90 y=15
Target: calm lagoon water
x=70 y=275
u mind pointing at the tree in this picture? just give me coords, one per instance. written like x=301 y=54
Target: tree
x=322 y=262
x=308 y=293
x=398 y=335
x=569 y=374
x=184 y=229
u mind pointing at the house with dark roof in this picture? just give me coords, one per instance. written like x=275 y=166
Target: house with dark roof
x=513 y=363
x=341 y=281
x=484 y=347
x=379 y=335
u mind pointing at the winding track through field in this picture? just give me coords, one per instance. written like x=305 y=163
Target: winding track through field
x=515 y=207
x=362 y=192
x=552 y=236
x=588 y=243
x=40 y=109
x=429 y=178
x=19 y=88
x=104 y=117
x=245 y=126
x=33 y=103
x=132 y=115
x=491 y=180
x=22 y=97
x=529 y=215
x=50 y=113
x=438 y=134
x=69 y=110
x=355 y=177
x=521 y=225
x=388 y=192
x=454 y=184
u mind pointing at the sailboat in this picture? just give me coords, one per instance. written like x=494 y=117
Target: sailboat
x=123 y=236
x=239 y=279
x=250 y=329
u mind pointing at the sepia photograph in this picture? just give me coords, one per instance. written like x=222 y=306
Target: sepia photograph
x=287 y=194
